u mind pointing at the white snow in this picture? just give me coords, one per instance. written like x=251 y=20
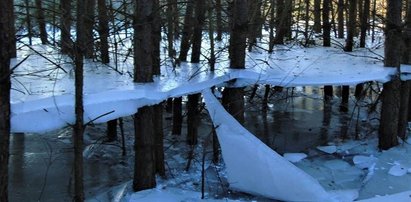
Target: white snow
x=397 y=170
x=260 y=170
x=43 y=96
x=328 y=149
x=294 y=157
x=364 y=161
x=399 y=197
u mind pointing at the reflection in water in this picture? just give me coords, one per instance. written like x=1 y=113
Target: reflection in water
x=294 y=121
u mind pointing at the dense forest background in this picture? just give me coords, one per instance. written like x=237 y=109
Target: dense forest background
x=173 y=31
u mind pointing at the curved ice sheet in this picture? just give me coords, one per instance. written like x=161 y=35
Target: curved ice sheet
x=255 y=168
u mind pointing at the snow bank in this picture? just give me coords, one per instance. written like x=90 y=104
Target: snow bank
x=42 y=99
x=260 y=170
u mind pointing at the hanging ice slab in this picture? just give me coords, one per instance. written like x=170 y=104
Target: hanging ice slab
x=255 y=168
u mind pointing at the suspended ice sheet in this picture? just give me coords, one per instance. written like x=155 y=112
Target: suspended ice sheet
x=255 y=168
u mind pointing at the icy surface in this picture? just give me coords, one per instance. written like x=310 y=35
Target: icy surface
x=364 y=161
x=328 y=149
x=295 y=157
x=260 y=170
x=43 y=95
x=397 y=170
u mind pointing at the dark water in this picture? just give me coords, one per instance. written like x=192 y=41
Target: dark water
x=294 y=121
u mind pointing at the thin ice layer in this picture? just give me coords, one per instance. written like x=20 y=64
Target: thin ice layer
x=255 y=168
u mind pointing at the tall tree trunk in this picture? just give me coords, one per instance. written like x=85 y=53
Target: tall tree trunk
x=65 y=25
x=365 y=15
x=159 y=139
x=390 y=109
x=272 y=26
x=171 y=10
x=255 y=20
x=103 y=31
x=317 y=16
x=79 y=110
x=156 y=37
x=88 y=28
x=352 y=16
x=234 y=97
x=6 y=46
x=199 y=20
x=41 y=22
x=187 y=31
x=158 y=108
x=405 y=85
x=144 y=165
x=280 y=22
x=326 y=23
x=28 y=21
x=219 y=20
x=340 y=18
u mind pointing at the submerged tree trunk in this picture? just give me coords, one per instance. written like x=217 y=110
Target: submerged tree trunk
x=193 y=118
x=159 y=139
x=177 y=116
x=6 y=44
x=390 y=109
x=111 y=130
x=41 y=22
x=144 y=165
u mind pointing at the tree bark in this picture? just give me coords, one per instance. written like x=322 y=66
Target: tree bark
x=79 y=110
x=144 y=164
x=340 y=18
x=88 y=28
x=103 y=31
x=234 y=97
x=199 y=20
x=352 y=16
x=171 y=26
x=192 y=118
x=187 y=31
x=6 y=46
x=156 y=36
x=111 y=130
x=158 y=138
x=28 y=22
x=326 y=23
x=390 y=109
x=65 y=25
x=317 y=16
x=219 y=20
x=177 y=116
x=41 y=22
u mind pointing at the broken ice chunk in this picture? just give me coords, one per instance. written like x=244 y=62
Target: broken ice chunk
x=364 y=161
x=294 y=157
x=328 y=149
x=397 y=170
